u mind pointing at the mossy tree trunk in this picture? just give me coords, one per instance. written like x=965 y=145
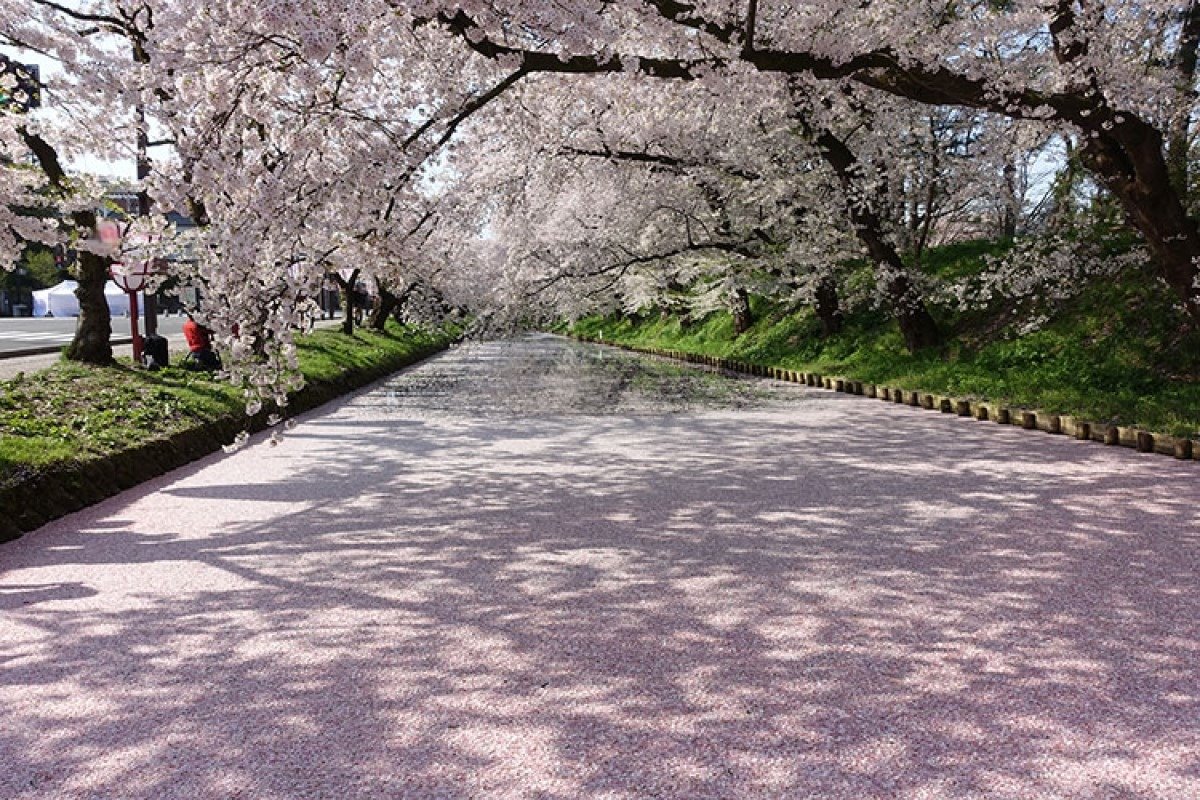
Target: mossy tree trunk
x=827 y=307
x=93 y=332
x=347 y=286
x=739 y=306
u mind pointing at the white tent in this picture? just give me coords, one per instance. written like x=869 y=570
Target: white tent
x=57 y=301
x=118 y=301
x=60 y=301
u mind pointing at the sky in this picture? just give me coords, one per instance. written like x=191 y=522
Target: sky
x=124 y=170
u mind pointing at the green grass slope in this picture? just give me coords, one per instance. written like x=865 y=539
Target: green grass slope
x=1119 y=352
x=73 y=434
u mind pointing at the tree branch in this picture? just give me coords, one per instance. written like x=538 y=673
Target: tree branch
x=677 y=165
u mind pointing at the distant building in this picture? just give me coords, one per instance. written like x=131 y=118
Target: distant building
x=127 y=201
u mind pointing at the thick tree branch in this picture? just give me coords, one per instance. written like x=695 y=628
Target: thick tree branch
x=477 y=39
x=677 y=165
x=112 y=22
x=624 y=266
x=751 y=24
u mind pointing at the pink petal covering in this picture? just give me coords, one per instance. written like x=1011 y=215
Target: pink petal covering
x=457 y=585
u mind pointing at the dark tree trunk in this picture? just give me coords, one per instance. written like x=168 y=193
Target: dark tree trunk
x=1131 y=165
x=1135 y=163
x=1179 y=128
x=826 y=304
x=389 y=304
x=348 y=318
x=917 y=325
x=91 y=344
x=739 y=306
x=93 y=331
x=1008 y=219
x=347 y=286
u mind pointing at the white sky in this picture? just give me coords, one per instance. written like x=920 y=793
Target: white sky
x=125 y=169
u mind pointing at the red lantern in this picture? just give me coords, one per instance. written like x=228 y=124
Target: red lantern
x=132 y=278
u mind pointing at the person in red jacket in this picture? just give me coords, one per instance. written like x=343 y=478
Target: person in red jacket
x=200 y=352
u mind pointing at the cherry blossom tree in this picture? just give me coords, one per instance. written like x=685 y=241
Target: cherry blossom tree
x=1120 y=74
x=311 y=136
x=91 y=110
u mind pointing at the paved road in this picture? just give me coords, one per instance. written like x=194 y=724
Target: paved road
x=26 y=333
x=545 y=570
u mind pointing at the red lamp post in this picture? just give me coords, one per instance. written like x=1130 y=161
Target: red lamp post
x=132 y=279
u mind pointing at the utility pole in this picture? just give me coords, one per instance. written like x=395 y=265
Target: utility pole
x=143 y=205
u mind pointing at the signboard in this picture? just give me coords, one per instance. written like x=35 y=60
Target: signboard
x=20 y=86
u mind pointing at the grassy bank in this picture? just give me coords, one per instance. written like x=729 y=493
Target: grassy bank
x=73 y=434
x=1118 y=353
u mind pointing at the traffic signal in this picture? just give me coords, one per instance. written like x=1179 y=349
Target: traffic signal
x=20 y=86
x=64 y=258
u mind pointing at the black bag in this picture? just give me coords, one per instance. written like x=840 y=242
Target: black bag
x=154 y=351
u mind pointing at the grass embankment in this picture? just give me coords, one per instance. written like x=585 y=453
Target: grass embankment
x=74 y=434
x=1118 y=353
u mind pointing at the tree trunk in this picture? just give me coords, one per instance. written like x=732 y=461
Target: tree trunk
x=1008 y=216
x=1132 y=166
x=91 y=344
x=917 y=325
x=826 y=304
x=1179 y=127
x=348 y=318
x=739 y=306
x=347 y=286
x=388 y=303
x=93 y=331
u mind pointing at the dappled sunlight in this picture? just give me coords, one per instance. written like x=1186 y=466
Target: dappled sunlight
x=808 y=594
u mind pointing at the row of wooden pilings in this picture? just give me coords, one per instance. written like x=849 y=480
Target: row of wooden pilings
x=1117 y=435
